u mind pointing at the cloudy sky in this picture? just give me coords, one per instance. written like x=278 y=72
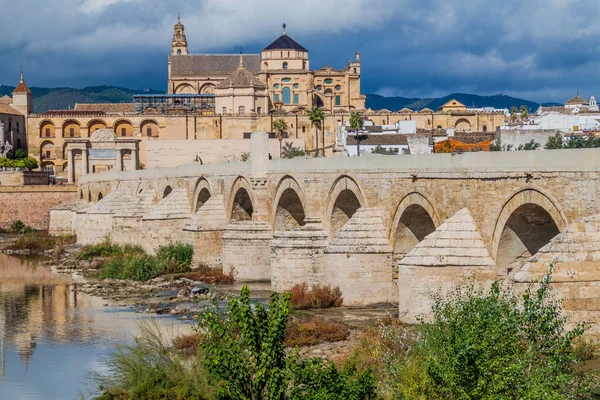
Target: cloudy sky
x=543 y=50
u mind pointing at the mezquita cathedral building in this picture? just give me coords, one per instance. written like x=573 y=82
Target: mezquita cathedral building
x=212 y=104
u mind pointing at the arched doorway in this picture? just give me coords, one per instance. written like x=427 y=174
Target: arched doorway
x=290 y=212
x=462 y=125
x=242 y=209
x=529 y=228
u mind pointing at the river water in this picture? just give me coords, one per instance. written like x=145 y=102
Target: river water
x=52 y=339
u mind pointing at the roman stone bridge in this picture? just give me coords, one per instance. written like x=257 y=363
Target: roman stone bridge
x=382 y=228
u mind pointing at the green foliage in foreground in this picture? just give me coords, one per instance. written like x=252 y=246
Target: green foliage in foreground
x=497 y=345
x=132 y=262
x=244 y=349
x=150 y=369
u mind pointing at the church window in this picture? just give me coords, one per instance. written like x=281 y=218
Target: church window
x=276 y=98
x=328 y=91
x=296 y=98
x=241 y=110
x=319 y=87
x=178 y=52
x=338 y=100
x=18 y=144
x=17 y=127
x=338 y=87
x=485 y=128
x=354 y=70
x=149 y=131
x=276 y=86
x=328 y=81
x=72 y=132
x=259 y=110
x=286 y=93
x=47 y=132
x=123 y=131
x=303 y=129
x=296 y=86
x=286 y=80
x=285 y=65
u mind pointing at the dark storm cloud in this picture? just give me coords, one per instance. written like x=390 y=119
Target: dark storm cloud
x=540 y=49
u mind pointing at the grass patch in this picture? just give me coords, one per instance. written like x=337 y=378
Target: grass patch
x=317 y=297
x=39 y=241
x=315 y=331
x=150 y=369
x=132 y=263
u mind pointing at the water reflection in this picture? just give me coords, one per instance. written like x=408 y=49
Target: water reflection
x=51 y=337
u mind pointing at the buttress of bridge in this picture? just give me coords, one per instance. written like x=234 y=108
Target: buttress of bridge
x=175 y=206
x=139 y=205
x=363 y=233
x=211 y=216
x=116 y=201
x=576 y=252
x=456 y=242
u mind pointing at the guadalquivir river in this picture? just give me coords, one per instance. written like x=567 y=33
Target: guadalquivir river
x=51 y=339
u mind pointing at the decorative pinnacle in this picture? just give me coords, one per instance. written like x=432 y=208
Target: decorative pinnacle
x=284 y=26
x=241 y=60
x=178 y=17
x=22 y=78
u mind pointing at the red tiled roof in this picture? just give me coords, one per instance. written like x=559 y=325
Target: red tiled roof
x=8 y=109
x=5 y=100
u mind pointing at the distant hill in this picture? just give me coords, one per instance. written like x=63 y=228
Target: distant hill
x=63 y=98
x=377 y=102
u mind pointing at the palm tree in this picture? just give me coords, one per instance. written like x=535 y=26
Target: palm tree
x=280 y=127
x=356 y=123
x=513 y=113
x=524 y=112
x=316 y=117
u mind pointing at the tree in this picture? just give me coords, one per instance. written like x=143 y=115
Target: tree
x=379 y=149
x=524 y=113
x=280 y=127
x=316 y=117
x=554 y=142
x=513 y=113
x=289 y=151
x=531 y=145
x=356 y=124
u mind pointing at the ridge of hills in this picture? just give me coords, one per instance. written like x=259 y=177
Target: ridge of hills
x=62 y=98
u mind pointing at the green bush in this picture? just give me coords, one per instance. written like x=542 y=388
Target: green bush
x=176 y=257
x=104 y=249
x=313 y=379
x=150 y=369
x=24 y=163
x=132 y=266
x=379 y=149
x=17 y=226
x=497 y=345
x=27 y=229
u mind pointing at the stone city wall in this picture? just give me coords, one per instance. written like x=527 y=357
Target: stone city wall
x=32 y=204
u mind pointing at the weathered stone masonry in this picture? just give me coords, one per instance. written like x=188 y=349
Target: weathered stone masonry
x=382 y=228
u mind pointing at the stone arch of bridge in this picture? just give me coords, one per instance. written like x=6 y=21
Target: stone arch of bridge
x=167 y=191
x=202 y=192
x=288 y=205
x=528 y=221
x=241 y=200
x=344 y=199
x=415 y=218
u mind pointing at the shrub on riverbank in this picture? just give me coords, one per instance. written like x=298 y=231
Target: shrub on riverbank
x=317 y=297
x=483 y=344
x=39 y=241
x=315 y=331
x=150 y=369
x=206 y=274
x=132 y=262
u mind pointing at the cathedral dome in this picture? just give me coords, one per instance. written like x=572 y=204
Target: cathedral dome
x=284 y=42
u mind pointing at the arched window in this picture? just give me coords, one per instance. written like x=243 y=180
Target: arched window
x=287 y=95
x=241 y=110
x=276 y=86
x=259 y=110
x=296 y=86
x=485 y=128
x=285 y=65
x=178 y=52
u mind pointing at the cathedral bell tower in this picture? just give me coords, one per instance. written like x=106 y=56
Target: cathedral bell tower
x=179 y=45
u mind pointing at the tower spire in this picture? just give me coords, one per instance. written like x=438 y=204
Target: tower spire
x=241 y=64
x=284 y=26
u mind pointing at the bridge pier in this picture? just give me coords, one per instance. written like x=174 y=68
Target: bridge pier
x=246 y=250
x=296 y=257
